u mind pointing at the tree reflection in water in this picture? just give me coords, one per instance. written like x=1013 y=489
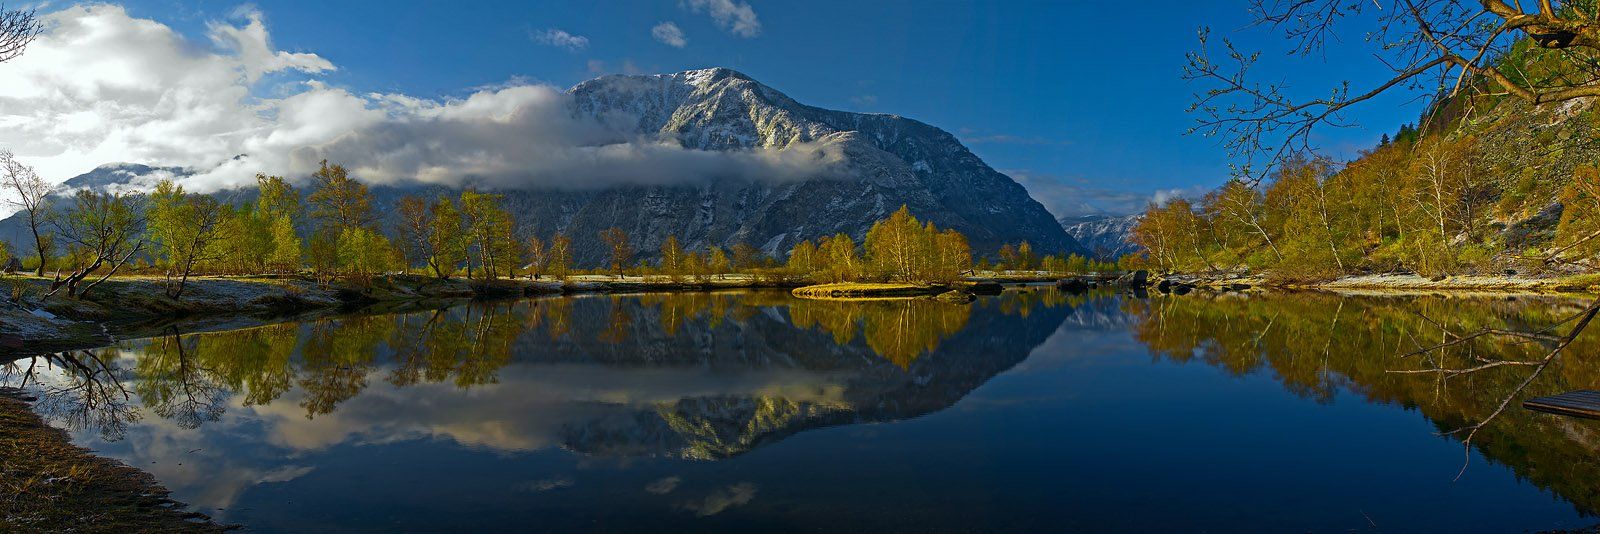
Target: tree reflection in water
x=86 y=394
x=1379 y=348
x=756 y=367
x=190 y=378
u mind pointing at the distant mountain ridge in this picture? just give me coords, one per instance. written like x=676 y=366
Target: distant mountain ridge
x=1107 y=237
x=890 y=161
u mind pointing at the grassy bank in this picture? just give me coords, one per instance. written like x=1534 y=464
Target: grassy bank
x=868 y=290
x=47 y=484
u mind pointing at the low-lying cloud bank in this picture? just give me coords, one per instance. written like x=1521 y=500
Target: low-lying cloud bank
x=101 y=86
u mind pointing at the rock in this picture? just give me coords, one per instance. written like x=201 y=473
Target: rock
x=956 y=296
x=986 y=288
x=13 y=265
x=1073 y=285
x=1139 y=278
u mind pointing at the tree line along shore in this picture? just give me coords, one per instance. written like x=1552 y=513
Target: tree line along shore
x=101 y=256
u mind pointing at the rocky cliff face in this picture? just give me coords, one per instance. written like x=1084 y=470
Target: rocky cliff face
x=1106 y=236
x=888 y=161
x=891 y=161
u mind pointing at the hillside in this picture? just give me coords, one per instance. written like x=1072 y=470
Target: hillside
x=1486 y=187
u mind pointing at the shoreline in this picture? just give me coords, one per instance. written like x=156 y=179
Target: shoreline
x=55 y=485
x=1405 y=284
x=135 y=307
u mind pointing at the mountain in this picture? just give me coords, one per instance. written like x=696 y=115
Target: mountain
x=1106 y=236
x=890 y=161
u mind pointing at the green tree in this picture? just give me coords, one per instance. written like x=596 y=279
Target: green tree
x=489 y=227
x=447 y=238
x=103 y=230
x=364 y=253
x=338 y=201
x=184 y=228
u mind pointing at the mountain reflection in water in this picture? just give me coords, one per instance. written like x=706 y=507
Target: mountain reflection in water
x=665 y=391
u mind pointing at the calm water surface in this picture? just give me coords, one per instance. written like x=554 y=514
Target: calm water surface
x=1032 y=410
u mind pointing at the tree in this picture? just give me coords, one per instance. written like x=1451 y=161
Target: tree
x=745 y=257
x=489 y=228
x=537 y=256
x=18 y=28
x=323 y=255
x=184 y=228
x=672 y=258
x=897 y=247
x=447 y=238
x=839 y=253
x=953 y=255
x=1238 y=206
x=363 y=253
x=1008 y=257
x=1455 y=49
x=338 y=201
x=285 y=256
x=616 y=241
x=102 y=230
x=1026 y=260
x=803 y=259
x=414 y=231
x=30 y=194
x=560 y=254
x=279 y=207
x=717 y=262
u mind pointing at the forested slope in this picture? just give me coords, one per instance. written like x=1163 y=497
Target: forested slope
x=1485 y=184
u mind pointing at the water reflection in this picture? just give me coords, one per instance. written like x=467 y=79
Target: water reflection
x=700 y=375
x=1316 y=345
x=645 y=384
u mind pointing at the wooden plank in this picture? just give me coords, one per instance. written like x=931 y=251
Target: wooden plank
x=1581 y=403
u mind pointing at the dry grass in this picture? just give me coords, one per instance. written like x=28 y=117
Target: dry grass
x=867 y=290
x=49 y=485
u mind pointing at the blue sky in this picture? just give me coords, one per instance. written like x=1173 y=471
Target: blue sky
x=1075 y=99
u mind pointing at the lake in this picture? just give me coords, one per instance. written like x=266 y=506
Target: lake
x=1031 y=410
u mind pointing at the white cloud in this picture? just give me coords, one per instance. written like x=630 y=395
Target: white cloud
x=561 y=39
x=102 y=87
x=735 y=17
x=669 y=34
